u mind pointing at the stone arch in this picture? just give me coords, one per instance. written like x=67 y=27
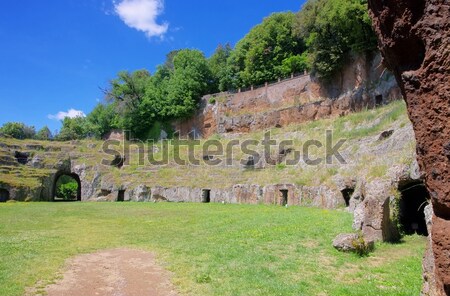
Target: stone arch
x=70 y=174
x=414 y=197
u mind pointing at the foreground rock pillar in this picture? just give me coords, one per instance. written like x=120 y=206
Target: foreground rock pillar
x=414 y=38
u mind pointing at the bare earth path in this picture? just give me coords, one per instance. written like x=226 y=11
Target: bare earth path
x=118 y=272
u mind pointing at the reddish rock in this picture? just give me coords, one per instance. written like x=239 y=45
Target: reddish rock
x=414 y=37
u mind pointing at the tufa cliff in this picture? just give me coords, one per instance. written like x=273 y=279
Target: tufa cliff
x=414 y=38
x=362 y=83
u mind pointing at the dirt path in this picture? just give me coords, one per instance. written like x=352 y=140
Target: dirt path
x=118 y=272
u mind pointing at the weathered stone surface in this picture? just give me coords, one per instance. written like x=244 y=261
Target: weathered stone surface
x=344 y=242
x=374 y=215
x=322 y=197
x=272 y=194
x=140 y=194
x=37 y=162
x=415 y=41
x=296 y=100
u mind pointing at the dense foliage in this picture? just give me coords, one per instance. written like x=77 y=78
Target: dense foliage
x=269 y=51
x=334 y=29
x=18 y=130
x=66 y=188
x=319 y=38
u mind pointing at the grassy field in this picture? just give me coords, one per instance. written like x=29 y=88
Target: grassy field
x=212 y=249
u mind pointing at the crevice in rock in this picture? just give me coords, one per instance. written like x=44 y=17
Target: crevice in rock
x=104 y=193
x=347 y=195
x=386 y=134
x=416 y=54
x=284 y=196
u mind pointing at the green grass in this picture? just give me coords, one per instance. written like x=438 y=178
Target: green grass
x=212 y=249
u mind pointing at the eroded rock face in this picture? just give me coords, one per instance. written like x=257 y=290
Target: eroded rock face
x=415 y=42
x=296 y=100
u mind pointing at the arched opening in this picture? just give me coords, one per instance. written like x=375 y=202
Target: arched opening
x=67 y=187
x=347 y=195
x=206 y=196
x=121 y=196
x=4 y=195
x=414 y=197
x=284 y=197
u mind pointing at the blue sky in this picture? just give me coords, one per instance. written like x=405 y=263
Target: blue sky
x=55 y=54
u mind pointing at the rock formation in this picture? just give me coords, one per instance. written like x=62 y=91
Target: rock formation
x=414 y=37
x=362 y=83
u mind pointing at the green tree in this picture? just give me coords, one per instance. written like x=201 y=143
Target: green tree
x=18 y=130
x=127 y=94
x=218 y=66
x=44 y=134
x=259 y=56
x=102 y=119
x=73 y=129
x=191 y=78
x=334 y=29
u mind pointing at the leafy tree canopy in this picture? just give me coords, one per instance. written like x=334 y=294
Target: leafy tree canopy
x=259 y=56
x=44 y=134
x=333 y=29
x=18 y=130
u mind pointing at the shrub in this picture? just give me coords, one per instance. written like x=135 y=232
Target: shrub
x=68 y=191
x=362 y=247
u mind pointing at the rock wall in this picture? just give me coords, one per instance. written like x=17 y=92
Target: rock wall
x=363 y=83
x=238 y=194
x=414 y=38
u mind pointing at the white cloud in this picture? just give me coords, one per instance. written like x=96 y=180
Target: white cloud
x=141 y=15
x=71 y=113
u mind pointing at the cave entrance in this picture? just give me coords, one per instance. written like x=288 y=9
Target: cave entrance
x=67 y=187
x=284 y=197
x=206 y=196
x=347 y=195
x=22 y=157
x=4 y=195
x=414 y=197
x=378 y=100
x=121 y=196
x=118 y=161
